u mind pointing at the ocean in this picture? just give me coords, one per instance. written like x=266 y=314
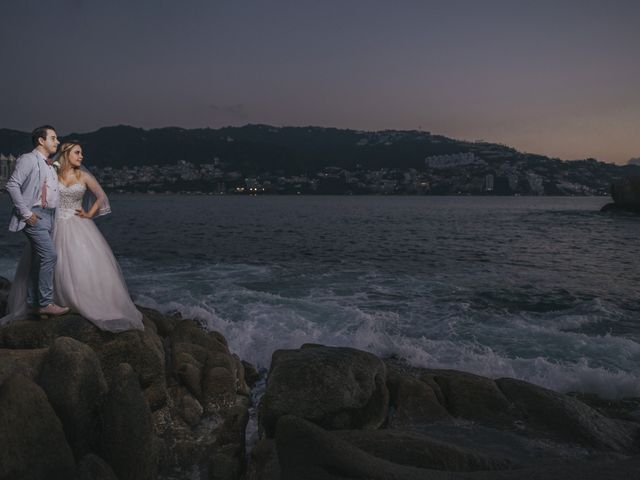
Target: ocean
x=544 y=289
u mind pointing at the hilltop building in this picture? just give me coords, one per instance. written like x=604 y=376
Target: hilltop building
x=7 y=164
x=453 y=160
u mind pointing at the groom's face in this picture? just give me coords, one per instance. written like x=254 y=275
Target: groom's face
x=50 y=142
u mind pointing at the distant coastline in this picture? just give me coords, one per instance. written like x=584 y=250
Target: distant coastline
x=262 y=159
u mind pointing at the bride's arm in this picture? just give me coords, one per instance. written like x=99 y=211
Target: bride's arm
x=95 y=188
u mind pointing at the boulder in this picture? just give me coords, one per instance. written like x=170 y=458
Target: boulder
x=568 y=419
x=92 y=467
x=191 y=377
x=337 y=388
x=251 y=374
x=151 y=384
x=164 y=324
x=306 y=451
x=26 y=362
x=72 y=378
x=5 y=286
x=229 y=457
x=218 y=389
x=128 y=442
x=626 y=194
x=406 y=448
x=189 y=331
x=473 y=397
x=191 y=410
x=40 y=334
x=263 y=462
x=413 y=401
x=202 y=362
x=32 y=441
x=144 y=351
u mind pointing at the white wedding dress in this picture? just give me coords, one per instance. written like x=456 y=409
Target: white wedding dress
x=87 y=276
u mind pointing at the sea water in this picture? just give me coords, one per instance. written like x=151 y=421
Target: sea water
x=544 y=289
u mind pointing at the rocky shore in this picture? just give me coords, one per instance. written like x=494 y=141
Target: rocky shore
x=625 y=194
x=173 y=402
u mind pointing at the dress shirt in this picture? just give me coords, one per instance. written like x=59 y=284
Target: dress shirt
x=47 y=174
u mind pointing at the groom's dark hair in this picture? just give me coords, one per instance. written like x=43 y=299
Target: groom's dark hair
x=40 y=132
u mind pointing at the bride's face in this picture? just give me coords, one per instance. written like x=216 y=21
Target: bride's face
x=75 y=156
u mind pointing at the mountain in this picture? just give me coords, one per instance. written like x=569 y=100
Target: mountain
x=254 y=147
x=328 y=160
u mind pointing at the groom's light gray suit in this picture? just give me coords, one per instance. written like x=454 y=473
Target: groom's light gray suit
x=25 y=188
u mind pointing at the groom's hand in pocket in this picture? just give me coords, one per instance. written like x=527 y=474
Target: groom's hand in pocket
x=32 y=220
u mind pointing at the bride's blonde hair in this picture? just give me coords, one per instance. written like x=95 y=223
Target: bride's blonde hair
x=63 y=158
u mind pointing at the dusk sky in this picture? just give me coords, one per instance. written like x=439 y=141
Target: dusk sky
x=560 y=78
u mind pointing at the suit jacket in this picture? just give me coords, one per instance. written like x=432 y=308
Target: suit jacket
x=24 y=187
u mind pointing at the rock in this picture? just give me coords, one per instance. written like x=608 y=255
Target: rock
x=164 y=324
x=415 y=450
x=26 y=362
x=219 y=337
x=153 y=403
x=144 y=351
x=229 y=459
x=306 y=451
x=191 y=410
x=75 y=386
x=233 y=364
x=92 y=467
x=413 y=400
x=232 y=430
x=32 y=441
x=189 y=448
x=226 y=463
x=336 y=388
x=191 y=377
x=188 y=353
x=40 y=334
x=626 y=194
x=263 y=464
x=188 y=331
x=202 y=362
x=128 y=443
x=218 y=389
x=621 y=408
x=241 y=384
x=5 y=286
x=569 y=419
x=251 y=374
x=473 y=397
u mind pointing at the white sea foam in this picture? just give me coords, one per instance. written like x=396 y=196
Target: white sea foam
x=535 y=349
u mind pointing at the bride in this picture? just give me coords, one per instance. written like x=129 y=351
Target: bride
x=87 y=277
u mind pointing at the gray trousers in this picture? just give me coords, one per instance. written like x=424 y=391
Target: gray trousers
x=43 y=258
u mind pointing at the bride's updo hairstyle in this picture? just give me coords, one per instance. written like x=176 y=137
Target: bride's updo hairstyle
x=63 y=158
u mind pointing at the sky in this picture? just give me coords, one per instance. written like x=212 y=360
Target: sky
x=559 y=78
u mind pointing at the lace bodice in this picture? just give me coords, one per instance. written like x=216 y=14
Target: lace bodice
x=70 y=199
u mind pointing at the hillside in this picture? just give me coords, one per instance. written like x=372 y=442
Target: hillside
x=323 y=160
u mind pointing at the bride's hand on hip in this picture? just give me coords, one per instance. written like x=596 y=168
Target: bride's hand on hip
x=81 y=213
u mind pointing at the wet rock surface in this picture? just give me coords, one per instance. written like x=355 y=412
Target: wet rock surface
x=439 y=424
x=336 y=388
x=119 y=405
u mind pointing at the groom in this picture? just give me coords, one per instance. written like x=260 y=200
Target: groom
x=33 y=188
